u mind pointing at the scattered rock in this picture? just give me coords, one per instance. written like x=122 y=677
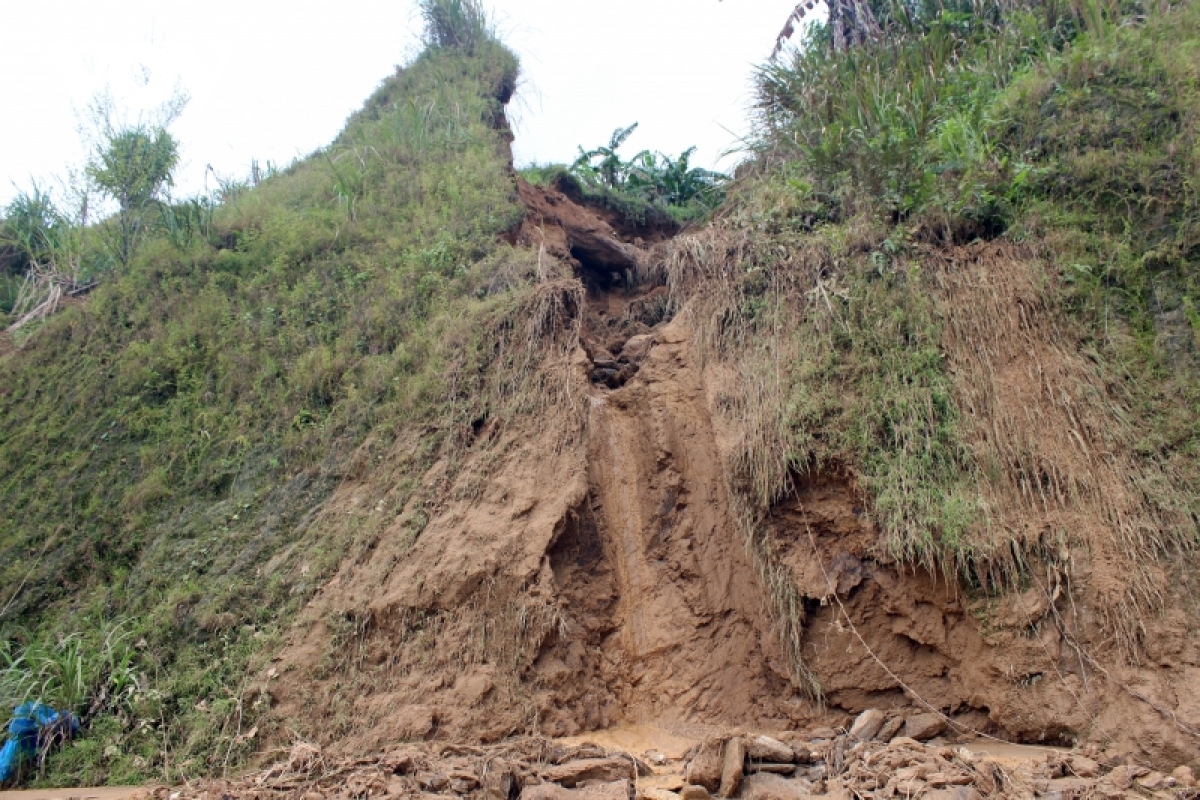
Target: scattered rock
x=909 y=787
x=1122 y=777
x=499 y=782
x=435 y=782
x=400 y=762
x=613 y=790
x=764 y=748
x=766 y=766
x=585 y=750
x=658 y=794
x=815 y=774
x=1082 y=767
x=924 y=726
x=1067 y=788
x=904 y=741
x=733 y=767
x=867 y=725
x=903 y=769
x=1152 y=782
x=890 y=729
x=604 y=770
x=953 y=793
x=655 y=757
x=705 y=767
x=1184 y=777
x=767 y=786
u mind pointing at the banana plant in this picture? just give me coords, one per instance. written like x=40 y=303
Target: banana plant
x=603 y=166
x=651 y=177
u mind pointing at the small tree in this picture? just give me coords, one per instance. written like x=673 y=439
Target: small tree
x=603 y=165
x=133 y=169
x=133 y=163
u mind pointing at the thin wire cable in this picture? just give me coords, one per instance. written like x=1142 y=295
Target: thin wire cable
x=900 y=682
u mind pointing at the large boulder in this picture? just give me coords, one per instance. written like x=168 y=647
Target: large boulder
x=598 y=770
x=705 y=767
x=764 y=748
x=733 y=767
x=867 y=725
x=924 y=726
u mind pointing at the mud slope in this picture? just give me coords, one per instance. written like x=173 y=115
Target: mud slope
x=564 y=582
x=586 y=570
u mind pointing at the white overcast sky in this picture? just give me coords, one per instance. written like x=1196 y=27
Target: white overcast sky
x=273 y=80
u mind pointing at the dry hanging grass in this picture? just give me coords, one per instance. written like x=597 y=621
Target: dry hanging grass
x=1037 y=449
x=1054 y=437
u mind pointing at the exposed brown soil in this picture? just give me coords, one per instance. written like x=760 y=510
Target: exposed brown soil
x=568 y=583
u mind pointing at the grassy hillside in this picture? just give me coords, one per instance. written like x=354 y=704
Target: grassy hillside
x=165 y=444
x=1046 y=150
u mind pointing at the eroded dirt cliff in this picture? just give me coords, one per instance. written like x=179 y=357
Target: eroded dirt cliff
x=589 y=569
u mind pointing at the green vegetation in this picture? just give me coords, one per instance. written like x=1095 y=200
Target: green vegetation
x=133 y=168
x=1063 y=136
x=83 y=674
x=44 y=248
x=648 y=188
x=165 y=444
x=901 y=127
x=51 y=246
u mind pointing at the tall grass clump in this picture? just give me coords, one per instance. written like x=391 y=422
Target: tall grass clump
x=455 y=23
x=899 y=124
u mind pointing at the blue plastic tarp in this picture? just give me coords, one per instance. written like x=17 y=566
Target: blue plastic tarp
x=29 y=725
